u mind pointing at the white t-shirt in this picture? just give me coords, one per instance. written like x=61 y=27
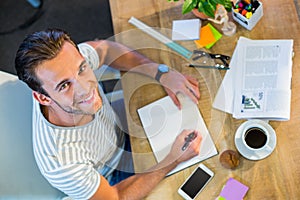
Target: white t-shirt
x=71 y=158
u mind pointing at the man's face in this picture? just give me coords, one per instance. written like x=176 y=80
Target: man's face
x=70 y=82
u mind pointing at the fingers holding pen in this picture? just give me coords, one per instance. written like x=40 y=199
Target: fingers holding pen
x=192 y=142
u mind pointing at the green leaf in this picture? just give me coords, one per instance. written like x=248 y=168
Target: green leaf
x=219 y=2
x=188 y=6
x=207 y=8
x=226 y=3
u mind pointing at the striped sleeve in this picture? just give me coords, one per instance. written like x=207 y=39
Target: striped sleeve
x=90 y=55
x=79 y=181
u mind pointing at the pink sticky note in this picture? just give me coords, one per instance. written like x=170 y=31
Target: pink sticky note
x=233 y=190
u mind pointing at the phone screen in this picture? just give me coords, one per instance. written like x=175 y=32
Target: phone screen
x=195 y=183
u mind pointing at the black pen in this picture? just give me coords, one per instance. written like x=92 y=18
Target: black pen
x=188 y=139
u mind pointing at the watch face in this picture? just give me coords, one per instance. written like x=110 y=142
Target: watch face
x=163 y=68
x=160 y=71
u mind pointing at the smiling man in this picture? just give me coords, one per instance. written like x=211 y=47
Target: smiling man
x=76 y=140
x=72 y=87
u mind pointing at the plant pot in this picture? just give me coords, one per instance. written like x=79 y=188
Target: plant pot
x=198 y=14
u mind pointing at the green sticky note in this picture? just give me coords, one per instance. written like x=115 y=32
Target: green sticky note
x=221 y=198
x=217 y=35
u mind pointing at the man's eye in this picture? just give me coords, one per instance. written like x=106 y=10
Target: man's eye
x=82 y=68
x=63 y=86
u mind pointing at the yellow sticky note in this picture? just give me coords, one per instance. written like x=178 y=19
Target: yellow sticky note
x=217 y=36
x=208 y=36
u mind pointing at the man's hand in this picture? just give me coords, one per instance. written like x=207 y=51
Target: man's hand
x=175 y=82
x=130 y=188
x=193 y=149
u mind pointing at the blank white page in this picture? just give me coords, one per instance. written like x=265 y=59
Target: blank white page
x=163 y=121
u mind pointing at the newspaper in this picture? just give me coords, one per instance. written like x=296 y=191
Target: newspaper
x=262 y=72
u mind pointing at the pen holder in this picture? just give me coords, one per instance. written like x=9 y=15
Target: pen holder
x=247 y=15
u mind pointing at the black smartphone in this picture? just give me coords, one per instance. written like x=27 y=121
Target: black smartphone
x=195 y=182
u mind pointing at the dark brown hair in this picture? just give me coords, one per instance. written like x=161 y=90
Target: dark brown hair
x=35 y=49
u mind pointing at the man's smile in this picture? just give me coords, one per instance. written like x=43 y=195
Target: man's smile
x=89 y=99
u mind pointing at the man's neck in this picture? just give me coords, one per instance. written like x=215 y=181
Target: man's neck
x=65 y=119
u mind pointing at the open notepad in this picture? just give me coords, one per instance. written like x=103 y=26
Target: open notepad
x=163 y=121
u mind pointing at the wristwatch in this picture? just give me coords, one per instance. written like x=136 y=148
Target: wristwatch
x=162 y=69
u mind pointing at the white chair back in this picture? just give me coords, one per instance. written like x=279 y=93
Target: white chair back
x=20 y=177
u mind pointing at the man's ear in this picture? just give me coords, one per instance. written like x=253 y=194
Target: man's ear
x=41 y=98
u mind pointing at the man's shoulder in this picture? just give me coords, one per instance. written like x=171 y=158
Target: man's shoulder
x=90 y=55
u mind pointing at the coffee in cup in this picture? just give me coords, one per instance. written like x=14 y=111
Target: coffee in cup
x=255 y=137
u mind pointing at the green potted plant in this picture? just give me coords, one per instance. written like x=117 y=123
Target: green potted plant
x=207 y=7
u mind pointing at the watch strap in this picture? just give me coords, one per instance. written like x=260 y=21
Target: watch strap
x=160 y=73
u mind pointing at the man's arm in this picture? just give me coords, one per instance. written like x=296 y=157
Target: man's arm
x=139 y=185
x=120 y=57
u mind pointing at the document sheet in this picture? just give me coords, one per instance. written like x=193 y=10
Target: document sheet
x=259 y=82
x=163 y=121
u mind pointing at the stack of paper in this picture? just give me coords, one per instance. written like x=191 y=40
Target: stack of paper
x=258 y=84
x=163 y=121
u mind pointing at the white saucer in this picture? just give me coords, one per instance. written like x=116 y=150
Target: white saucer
x=259 y=153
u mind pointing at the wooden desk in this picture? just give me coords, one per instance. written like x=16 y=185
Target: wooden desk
x=277 y=176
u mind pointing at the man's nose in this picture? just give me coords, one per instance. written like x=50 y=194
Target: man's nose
x=81 y=87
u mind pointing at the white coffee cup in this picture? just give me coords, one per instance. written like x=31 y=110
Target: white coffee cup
x=256 y=137
x=252 y=146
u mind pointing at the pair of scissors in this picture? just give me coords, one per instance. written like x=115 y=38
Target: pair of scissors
x=199 y=54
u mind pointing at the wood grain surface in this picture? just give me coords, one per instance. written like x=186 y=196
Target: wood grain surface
x=275 y=177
